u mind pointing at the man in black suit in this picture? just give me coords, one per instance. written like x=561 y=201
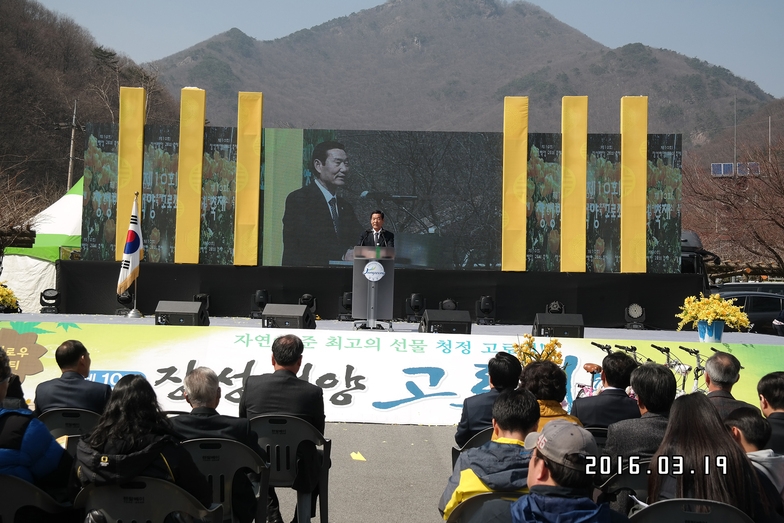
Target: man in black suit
x=318 y=226
x=377 y=235
x=203 y=393
x=504 y=371
x=283 y=393
x=771 y=392
x=612 y=404
x=722 y=371
x=72 y=390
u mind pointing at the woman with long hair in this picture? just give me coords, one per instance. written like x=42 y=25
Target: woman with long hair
x=699 y=459
x=134 y=438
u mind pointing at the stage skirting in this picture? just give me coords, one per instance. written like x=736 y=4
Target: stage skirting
x=373 y=377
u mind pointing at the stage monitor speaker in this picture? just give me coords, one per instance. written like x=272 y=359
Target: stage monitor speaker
x=451 y=322
x=558 y=325
x=282 y=316
x=181 y=313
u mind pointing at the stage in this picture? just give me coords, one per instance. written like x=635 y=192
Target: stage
x=396 y=377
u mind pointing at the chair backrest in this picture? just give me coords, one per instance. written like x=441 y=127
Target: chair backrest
x=684 y=510
x=477 y=440
x=219 y=459
x=627 y=481
x=492 y=507
x=143 y=499
x=69 y=422
x=599 y=434
x=18 y=493
x=279 y=436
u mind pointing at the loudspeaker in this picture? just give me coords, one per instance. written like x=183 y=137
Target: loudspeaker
x=558 y=325
x=451 y=322
x=181 y=313
x=281 y=316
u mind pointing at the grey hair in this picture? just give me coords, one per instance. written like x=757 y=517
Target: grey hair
x=723 y=369
x=201 y=386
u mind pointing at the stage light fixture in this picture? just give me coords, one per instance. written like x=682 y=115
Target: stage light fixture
x=448 y=305
x=635 y=316
x=485 y=311
x=310 y=302
x=344 y=307
x=259 y=300
x=415 y=305
x=555 y=307
x=50 y=301
x=203 y=298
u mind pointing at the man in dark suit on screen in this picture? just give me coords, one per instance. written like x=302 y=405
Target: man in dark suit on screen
x=72 y=390
x=283 y=393
x=377 y=235
x=318 y=225
x=612 y=404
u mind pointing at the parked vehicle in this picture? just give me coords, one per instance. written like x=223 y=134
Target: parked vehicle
x=761 y=308
x=775 y=287
x=694 y=257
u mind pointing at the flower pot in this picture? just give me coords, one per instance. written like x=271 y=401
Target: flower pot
x=710 y=333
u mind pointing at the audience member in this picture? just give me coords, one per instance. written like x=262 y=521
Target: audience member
x=14 y=398
x=283 y=393
x=722 y=371
x=548 y=383
x=134 y=438
x=72 y=390
x=203 y=393
x=504 y=371
x=560 y=488
x=500 y=465
x=655 y=386
x=771 y=393
x=696 y=440
x=612 y=404
x=752 y=432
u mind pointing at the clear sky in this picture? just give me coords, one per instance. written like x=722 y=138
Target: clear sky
x=746 y=37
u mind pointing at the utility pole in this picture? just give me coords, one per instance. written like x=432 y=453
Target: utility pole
x=71 y=157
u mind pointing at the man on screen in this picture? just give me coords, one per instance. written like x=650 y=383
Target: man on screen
x=319 y=226
x=377 y=235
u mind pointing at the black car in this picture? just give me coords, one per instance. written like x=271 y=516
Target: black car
x=761 y=308
x=775 y=287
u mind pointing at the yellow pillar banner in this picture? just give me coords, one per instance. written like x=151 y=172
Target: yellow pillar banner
x=516 y=206
x=574 y=164
x=130 y=159
x=193 y=103
x=634 y=174
x=246 y=212
x=282 y=174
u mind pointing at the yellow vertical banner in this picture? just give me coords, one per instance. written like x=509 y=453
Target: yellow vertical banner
x=193 y=103
x=574 y=165
x=516 y=206
x=282 y=174
x=634 y=174
x=250 y=108
x=130 y=159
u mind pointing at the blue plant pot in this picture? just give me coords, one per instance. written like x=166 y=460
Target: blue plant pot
x=710 y=333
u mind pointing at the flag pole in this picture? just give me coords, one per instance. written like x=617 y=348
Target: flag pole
x=135 y=313
x=132 y=254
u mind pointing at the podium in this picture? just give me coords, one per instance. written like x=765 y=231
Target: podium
x=373 y=287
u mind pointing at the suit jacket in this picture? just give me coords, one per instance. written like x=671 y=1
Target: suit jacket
x=283 y=393
x=635 y=437
x=386 y=239
x=477 y=415
x=604 y=409
x=726 y=403
x=71 y=391
x=309 y=236
x=776 y=441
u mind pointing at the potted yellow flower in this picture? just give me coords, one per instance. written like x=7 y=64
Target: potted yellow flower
x=526 y=351
x=8 y=301
x=710 y=314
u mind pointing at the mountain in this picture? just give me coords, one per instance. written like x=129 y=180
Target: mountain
x=446 y=65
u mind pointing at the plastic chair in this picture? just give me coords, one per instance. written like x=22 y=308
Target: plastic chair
x=616 y=488
x=599 y=434
x=279 y=436
x=144 y=499
x=18 y=493
x=69 y=422
x=683 y=510
x=491 y=507
x=219 y=459
x=477 y=440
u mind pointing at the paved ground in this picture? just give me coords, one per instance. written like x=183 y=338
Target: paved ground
x=401 y=481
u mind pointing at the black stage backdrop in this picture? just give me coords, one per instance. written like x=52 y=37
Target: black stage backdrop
x=89 y=288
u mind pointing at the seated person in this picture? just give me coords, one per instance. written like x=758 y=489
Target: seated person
x=722 y=372
x=771 y=393
x=134 y=438
x=560 y=489
x=612 y=404
x=14 y=398
x=548 y=383
x=499 y=465
x=503 y=370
